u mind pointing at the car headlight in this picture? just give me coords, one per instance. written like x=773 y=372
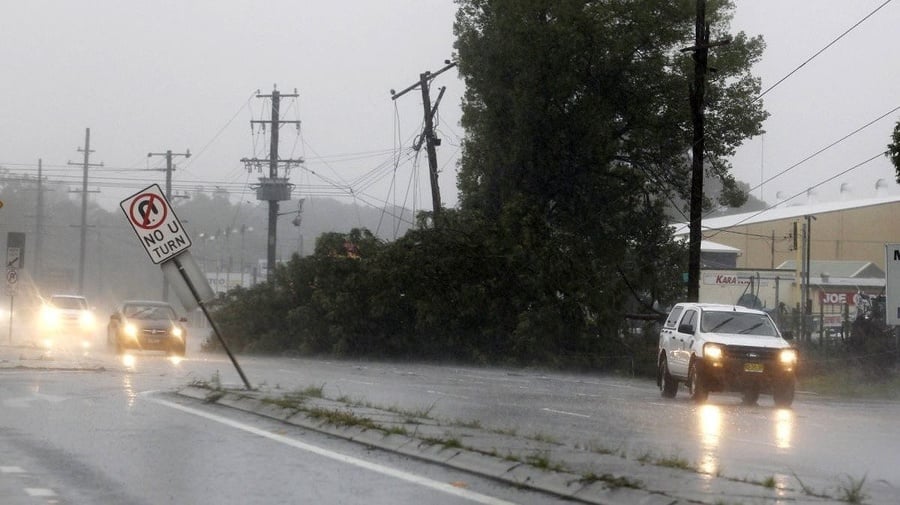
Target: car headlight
x=49 y=317
x=713 y=352
x=131 y=330
x=176 y=331
x=86 y=319
x=788 y=357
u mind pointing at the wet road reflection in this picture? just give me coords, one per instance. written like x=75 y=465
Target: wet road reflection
x=710 y=421
x=718 y=423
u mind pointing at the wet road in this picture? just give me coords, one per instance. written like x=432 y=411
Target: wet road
x=114 y=435
x=827 y=444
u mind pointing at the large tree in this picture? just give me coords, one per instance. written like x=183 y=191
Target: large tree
x=578 y=131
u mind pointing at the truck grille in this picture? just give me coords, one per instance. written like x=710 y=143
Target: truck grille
x=745 y=353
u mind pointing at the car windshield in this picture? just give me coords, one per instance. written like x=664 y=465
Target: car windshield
x=744 y=323
x=149 y=312
x=68 y=303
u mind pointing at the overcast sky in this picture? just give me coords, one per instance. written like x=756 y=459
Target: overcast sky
x=157 y=75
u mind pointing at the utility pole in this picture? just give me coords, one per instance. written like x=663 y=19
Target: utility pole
x=84 y=194
x=273 y=188
x=39 y=223
x=169 y=168
x=697 y=92
x=428 y=136
x=806 y=303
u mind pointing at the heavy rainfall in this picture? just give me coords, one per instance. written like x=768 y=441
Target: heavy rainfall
x=470 y=251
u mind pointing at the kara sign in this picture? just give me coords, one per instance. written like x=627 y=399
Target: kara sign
x=155 y=223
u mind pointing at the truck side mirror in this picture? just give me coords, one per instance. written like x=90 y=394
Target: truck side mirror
x=787 y=335
x=686 y=328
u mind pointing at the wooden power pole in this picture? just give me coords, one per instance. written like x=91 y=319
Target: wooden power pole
x=273 y=188
x=697 y=95
x=169 y=168
x=428 y=136
x=85 y=164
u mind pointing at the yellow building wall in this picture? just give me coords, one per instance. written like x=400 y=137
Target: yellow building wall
x=847 y=235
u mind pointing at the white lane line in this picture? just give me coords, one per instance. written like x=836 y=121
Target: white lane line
x=545 y=409
x=11 y=469
x=350 y=460
x=39 y=491
x=450 y=395
x=364 y=383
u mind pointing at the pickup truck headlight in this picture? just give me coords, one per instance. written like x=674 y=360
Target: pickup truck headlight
x=176 y=332
x=87 y=320
x=713 y=352
x=49 y=317
x=788 y=358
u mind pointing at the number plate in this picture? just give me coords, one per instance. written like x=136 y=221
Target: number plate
x=156 y=341
x=753 y=367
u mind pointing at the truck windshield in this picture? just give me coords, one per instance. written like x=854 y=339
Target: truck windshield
x=743 y=323
x=68 y=303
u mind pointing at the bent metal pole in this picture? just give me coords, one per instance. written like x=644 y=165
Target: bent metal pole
x=212 y=323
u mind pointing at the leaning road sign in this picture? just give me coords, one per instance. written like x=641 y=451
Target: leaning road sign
x=155 y=224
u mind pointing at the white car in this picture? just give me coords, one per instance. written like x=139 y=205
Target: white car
x=68 y=321
x=713 y=348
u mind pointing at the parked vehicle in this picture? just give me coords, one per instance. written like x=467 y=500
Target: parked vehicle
x=713 y=348
x=146 y=325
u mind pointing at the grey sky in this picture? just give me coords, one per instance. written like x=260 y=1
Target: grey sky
x=150 y=76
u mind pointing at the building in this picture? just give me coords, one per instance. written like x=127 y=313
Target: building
x=760 y=257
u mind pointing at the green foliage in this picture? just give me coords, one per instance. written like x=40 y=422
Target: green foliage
x=577 y=127
x=893 y=151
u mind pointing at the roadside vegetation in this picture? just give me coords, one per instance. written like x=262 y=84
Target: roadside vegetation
x=577 y=122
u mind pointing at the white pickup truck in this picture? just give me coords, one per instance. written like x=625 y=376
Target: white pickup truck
x=715 y=348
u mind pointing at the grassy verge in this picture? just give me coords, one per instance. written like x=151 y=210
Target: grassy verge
x=853 y=383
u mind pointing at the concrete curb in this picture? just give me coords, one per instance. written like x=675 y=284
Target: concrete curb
x=613 y=480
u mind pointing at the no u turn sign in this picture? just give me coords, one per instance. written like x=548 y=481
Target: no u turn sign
x=156 y=225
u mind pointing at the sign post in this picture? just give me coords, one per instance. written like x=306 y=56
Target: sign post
x=165 y=240
x=892 y=290
x=15 y=259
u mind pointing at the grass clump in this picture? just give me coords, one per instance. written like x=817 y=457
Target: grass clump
x=312 y=391
x=542 y=461
x=341 y=418
x=851 y=490
x=611 y=481
x=446 y=443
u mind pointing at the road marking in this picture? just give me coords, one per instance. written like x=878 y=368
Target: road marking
x=364 y=383
x=450 y=395
x=39 y=491
x=545 y=409
x=350 y=460
x=11 y=469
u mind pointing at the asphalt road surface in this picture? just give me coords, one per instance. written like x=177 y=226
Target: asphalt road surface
x=93 y=429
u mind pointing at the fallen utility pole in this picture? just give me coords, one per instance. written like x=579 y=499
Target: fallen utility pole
x=428 y=135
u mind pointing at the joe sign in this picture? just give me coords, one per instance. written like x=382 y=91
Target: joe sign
x=156 y=225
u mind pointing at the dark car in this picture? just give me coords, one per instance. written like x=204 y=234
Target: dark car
x=146 y=325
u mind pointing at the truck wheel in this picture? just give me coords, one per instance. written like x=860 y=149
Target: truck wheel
x=783 y=393
x=669 y=385
x=699 y=392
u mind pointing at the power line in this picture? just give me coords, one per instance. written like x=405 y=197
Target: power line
x=751 y=216
x=820 y=51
